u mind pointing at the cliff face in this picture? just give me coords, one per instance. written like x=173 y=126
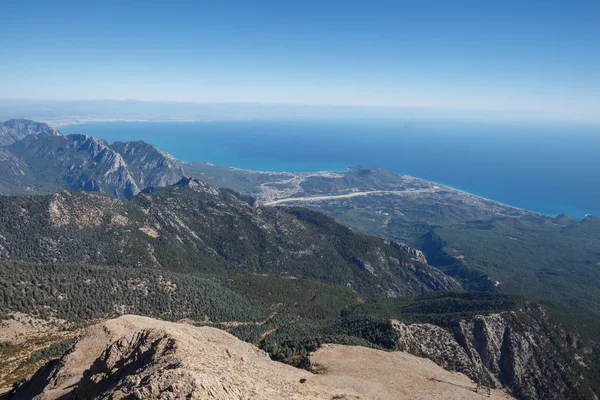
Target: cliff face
x=415 y=254
x=523 y=351
x=76 y=162
x=135 y=357
x=40 y=159
x=149 y=166
x=13 y=170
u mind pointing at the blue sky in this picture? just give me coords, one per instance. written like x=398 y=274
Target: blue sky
x=527 y=55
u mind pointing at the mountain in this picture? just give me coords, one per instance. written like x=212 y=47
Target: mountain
x=523 y=349
x=148 y=166
x=286 y=279
x=36 y=158
x=14 y=173
x=192 y=227
x=16 y=129
x=138 y=357
x=483 y=244
x=77 y=162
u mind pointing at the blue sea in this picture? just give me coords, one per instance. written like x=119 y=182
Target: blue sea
x=546 y=168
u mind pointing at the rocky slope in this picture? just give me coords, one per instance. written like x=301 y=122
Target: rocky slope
x=76 y=162
x=524 y=351
x=141 y=358
x=37 y=158
x=16 y=129
x=149 y=166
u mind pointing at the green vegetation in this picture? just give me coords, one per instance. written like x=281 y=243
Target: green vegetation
x=240 y=180
x=487 y=246
x=536 y=256
x=196 y=229
x=306 y=298
x=55 y=350
x=305 y=313
x=292 y=343
x=357 y=178
x=243 y=197
x=80 y=293
x=286 y=317
x=441 y=308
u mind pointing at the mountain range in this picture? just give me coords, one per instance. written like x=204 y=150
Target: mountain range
x=91 y=230
x=37 y=158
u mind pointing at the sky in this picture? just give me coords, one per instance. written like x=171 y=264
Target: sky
x=532 y=56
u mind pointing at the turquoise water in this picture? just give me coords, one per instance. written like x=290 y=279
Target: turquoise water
x=550 y=169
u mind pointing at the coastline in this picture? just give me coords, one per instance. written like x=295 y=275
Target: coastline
x=433 y=183
x=223 y=153
x=482 y=197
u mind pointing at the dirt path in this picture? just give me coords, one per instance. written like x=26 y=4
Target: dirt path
x=267 y=333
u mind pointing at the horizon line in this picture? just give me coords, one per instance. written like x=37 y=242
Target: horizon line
x=539 y=115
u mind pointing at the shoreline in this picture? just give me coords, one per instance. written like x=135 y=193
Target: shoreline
x=482 y=197
x=439 y=184
x=71 y=121
x=91 y=120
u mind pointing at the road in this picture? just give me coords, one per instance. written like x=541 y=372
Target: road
x=347 y=196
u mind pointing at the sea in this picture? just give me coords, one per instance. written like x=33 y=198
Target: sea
x=549 y=168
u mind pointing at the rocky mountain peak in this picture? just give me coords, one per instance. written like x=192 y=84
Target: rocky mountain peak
x=16 y=129
x=196 y=185
x=40 y=159
x=507 y=349
x=416 y=255
x=188 y=181
x=149 y=166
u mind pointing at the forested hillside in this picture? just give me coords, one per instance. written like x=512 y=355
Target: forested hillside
x=191 y=227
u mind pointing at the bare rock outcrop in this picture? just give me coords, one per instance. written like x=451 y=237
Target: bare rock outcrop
x=522 y=351
x=149 y=166
x=141 y=358
x=38 y=158
x=16 y=129
x=416 y=255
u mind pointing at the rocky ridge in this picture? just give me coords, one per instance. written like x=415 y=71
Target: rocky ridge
x=38 y=158
x=523 y=351
x=149 y=166
x=193 y=227
x=14 y=130
x=141 y=358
